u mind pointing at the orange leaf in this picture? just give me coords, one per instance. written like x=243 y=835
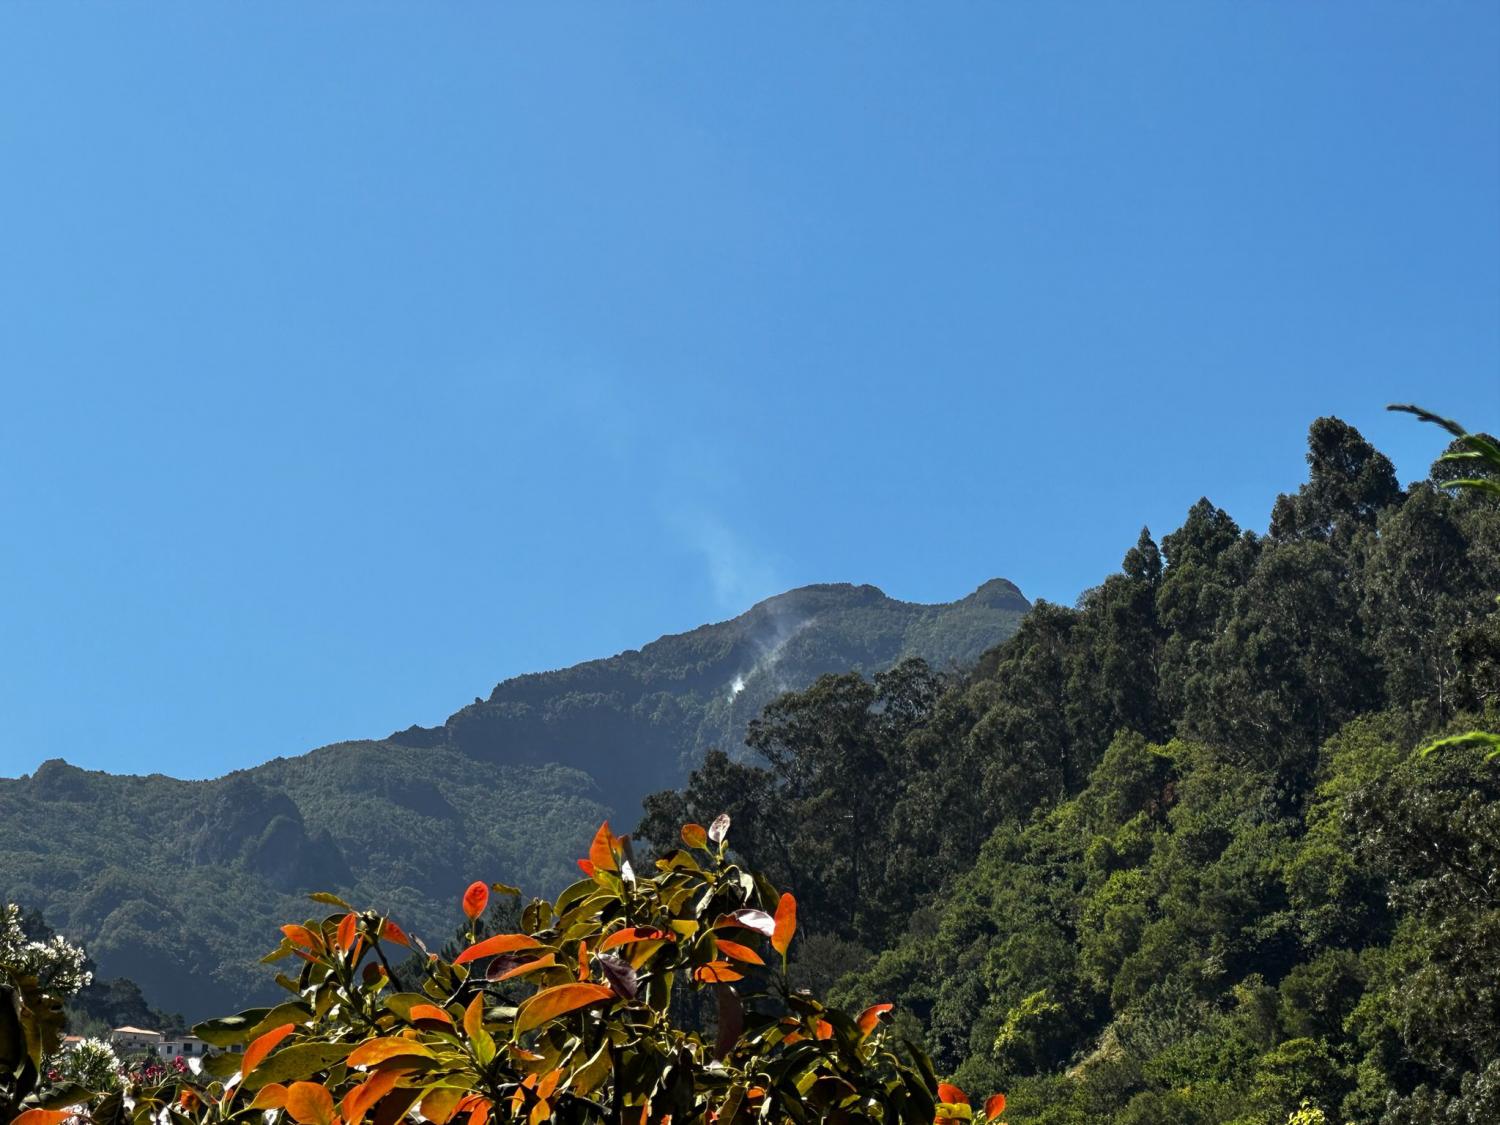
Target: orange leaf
x=359 y=1101
x=695 y=836
x=547 y=962
x=602 y=850
x=545 y=1087
x=476 y=898
x=869 y=1019
x=951 y=1094
x=739 y=952
x=257 y=1051
x=270 y=1096
x=309 y=1103
x=374 y=1051
x=550 y=1003
x=825 y=1029
x=480 y=1113
x=348 y=928
x=587 y=868
x=429 y=1012
x=994 y=1107
x=717 y=972
x=439 y=1104
x=500 y=943
x=41 y=1117
x=301 y=935
x=629 y=934
x=786 y=924
x=389 y=931
x=583 y=960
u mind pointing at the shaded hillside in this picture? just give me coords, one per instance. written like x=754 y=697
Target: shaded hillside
x=179 y=885
x=639 y=720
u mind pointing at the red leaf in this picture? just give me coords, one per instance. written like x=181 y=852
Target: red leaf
x=476 y=898
x=587 y=868
x=500 y=943
x=739 y=952
x=389 y=931
x=348 y=928
x=994 y=1107
x=869 y=1019
x=951 y=1094
x=785 y=924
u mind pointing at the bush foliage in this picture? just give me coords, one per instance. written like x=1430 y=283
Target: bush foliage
x=589 y=1012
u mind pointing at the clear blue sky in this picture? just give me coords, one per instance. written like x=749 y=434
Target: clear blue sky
x=356 y=356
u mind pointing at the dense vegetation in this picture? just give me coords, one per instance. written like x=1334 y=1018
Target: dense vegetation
x=1168 y=856
x=586 y=1012
x=175 y=884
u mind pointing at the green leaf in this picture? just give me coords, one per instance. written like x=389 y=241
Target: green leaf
x=301 y=1060
x=230 y=1031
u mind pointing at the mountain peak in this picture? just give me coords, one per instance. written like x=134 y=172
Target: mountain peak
x=998 y=593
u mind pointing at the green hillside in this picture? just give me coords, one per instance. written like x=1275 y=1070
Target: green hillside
x=179 y=885
x=1172 y=856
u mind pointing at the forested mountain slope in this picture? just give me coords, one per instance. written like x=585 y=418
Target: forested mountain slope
x=179 y=885
x=1169 y=857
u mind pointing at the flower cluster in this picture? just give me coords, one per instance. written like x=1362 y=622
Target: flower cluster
x=90 y=1063
x=58 y=966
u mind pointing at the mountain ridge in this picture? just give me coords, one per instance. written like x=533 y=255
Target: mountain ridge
x=179 y=884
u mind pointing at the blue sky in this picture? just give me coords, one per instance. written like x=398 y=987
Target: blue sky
x=356 y=356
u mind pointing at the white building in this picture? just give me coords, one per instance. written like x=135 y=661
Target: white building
x=130 y=1040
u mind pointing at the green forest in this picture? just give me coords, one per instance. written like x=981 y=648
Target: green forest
x=1170 y=855
x=1218 y=845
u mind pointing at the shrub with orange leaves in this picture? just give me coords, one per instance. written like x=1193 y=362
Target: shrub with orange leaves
x=569 y=1021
